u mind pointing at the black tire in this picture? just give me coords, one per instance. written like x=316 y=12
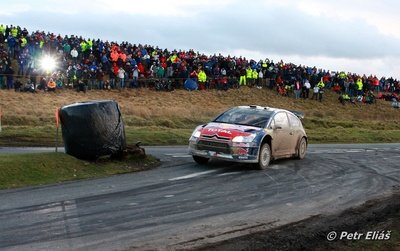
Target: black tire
x=302 y=149
x=264 y=156
x=200 y=160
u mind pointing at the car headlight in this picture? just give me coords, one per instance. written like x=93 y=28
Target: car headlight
x=244 y=139
x=196 y=134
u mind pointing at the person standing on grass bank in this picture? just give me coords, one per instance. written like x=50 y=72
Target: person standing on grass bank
x=306 y=89
x=242 y=79
x=359 y=85
x=121 y=77
x=321 y=89
x=135 y=77
x=297 y=89
x=9 y=72
x=315 y=93
x=100 y=79
x=202 y=77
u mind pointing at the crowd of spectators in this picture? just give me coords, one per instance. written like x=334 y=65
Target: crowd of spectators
x=87 y=64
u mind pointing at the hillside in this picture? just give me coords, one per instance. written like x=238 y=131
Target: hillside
x=169 y=117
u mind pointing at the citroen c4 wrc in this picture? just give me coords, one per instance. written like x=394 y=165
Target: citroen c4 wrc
x=250 y=134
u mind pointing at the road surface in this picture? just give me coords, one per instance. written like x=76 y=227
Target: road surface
x=184 y=205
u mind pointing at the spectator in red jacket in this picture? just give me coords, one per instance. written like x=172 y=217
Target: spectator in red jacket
x=141 y=70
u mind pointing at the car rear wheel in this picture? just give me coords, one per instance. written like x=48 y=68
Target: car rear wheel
x=265 y=157
x=200 y=160
x=301 y=151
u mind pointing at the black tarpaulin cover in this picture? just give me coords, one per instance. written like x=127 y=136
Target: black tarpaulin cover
x=92 y=129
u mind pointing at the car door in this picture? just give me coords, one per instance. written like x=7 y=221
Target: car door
x=282 y=139
x=295 y=131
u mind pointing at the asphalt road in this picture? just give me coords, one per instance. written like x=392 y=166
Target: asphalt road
x=183 y=205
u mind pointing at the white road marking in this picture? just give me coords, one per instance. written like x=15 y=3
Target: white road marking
x=269 y=176
x=178 y=155
x=230 y=173
x=192 y=175
x=71 y=216
x=340 y=151
x=182 y=156
x=169 y=196
x=355 y=151
x=277 y=167
x=391 y=157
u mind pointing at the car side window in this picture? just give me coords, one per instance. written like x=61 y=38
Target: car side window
x=294 y=121
x=281 y=120
x=272 y=123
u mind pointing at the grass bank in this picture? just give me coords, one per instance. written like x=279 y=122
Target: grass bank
x=168 y=118
x=49 y=168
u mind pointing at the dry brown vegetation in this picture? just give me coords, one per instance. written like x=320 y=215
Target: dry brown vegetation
x=143 y=104
x=144 y=108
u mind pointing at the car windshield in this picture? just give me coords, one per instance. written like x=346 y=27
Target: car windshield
x=245 y=116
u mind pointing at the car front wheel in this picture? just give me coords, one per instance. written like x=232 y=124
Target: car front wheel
x=265 y=156
x=200 y=160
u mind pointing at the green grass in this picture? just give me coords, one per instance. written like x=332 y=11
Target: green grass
x=352 y=135
x=46 y=136
x=47 y=168
x=29 y=136
x=329 y=130
x=318 y=130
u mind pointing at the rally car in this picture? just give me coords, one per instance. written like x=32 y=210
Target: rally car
x=250 y=134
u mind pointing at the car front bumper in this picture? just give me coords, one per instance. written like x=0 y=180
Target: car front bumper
x=241 y=152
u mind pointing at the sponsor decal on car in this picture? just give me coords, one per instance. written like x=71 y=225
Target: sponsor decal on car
x=223 y=130
x=218 y=130
x=241 y=151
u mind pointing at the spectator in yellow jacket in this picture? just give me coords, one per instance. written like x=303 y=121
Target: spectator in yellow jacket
x=321 y=89
x=202 y=77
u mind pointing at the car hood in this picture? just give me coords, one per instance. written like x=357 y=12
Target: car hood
x=227 y=131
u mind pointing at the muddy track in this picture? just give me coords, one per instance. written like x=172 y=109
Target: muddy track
x=311 y=234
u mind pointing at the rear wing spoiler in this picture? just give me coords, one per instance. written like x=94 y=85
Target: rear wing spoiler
x=300 y=115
